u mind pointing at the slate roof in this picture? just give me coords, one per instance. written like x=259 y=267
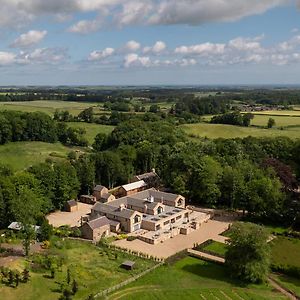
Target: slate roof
x=72 y=203
x=99 y=222
x=147 y=176
x=106 y=208
x=99 y=188
x=106 y=196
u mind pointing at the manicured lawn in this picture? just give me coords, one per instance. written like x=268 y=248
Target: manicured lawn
x=286 y=251
x=191 y=278
x=215 y=131
x=92 y=129
x=290 y=283
x=21 y=155
x=216 y=247
x=45 y=106
x=91 y=267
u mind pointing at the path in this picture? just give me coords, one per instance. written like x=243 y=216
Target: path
x=206 y=256
x=282 y=290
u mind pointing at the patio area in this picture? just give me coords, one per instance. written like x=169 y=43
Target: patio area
x=172 y=245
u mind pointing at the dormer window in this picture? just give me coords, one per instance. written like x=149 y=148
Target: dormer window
x=137 y=219
x=160 y=210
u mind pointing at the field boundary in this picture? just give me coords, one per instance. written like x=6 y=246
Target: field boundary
x=126 y=282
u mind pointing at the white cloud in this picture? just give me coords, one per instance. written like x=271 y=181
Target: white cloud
x=132 y=46
x=201 y=49
x=99 y=55
x=16 y=13
x=134 y=60
x=157 y=48
x=85 y=26
x=43 y=56
x=246 y=44
x=29 y=39
x=7 y=58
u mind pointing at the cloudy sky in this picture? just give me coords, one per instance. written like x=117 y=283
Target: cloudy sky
x=136 y=42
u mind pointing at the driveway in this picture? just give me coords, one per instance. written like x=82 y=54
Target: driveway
x=209 y=230
x=72 y=219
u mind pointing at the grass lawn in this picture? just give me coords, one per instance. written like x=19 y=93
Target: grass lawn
x=278 y=113
x=21 y=155
x=191 y=278
x=286 y=251
x=46 y=106
x=92 y=129
x=215 y=131
x=290 y=283
x=216 y=247
x=92 y=268
x=262 y=120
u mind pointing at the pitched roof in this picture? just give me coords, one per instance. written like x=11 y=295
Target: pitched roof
x=109 y=209
x=147 y=175
x=72 y=203
x=134 y=185
x=99 y=222
x=99 y=188
x=106 y=196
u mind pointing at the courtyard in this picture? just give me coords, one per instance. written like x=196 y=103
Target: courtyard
x=208 y=230
x=72 y=219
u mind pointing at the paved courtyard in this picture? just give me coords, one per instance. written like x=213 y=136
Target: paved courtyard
x=210 y=230
x=60 y=218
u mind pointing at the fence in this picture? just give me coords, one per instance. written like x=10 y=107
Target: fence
x=126 y=282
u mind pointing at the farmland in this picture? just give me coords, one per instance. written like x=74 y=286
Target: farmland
x=215 y=131
x=191 y=278
x=92 y=129
x=20 y=155
x=48 y=107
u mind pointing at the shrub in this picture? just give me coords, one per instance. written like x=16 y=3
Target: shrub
x=131 y=238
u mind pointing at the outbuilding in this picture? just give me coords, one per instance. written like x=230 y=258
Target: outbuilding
x=71 y=206
x=128 y=265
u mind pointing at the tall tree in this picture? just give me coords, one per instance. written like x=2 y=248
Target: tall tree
x=248 y=254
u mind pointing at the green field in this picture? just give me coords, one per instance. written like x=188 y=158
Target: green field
x=93 y=268
x=289 y=283
x=21 y=155
x=292 y=113
x=92 y=129
x=215 y=131
x=286 y=251
x=191 y=278
x=217 y=248
x=47 y=107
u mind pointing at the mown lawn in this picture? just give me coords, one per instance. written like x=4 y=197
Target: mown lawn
x=292 y=284
x=91 y=267
x=92 y=129
x=286 y=251
x=217 y=248
x=214 y=131
x=21 y=155
x=191 y=278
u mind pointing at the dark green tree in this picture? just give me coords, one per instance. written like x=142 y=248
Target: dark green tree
x=248 y=254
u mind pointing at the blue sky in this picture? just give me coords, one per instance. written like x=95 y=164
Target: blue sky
x=138 y=42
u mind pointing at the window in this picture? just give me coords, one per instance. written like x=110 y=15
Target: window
x=178 y=218
x=179 y=202
x=137 y=219
x=160 y=210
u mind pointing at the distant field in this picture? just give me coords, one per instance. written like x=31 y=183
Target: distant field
x=279 y=113
x=92 y=129
x=262 y=120
x=215 y=131
x=47 y=107
x=191 y=278
x=21 y=155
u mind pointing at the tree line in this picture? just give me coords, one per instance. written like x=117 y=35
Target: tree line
x=37 y=126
